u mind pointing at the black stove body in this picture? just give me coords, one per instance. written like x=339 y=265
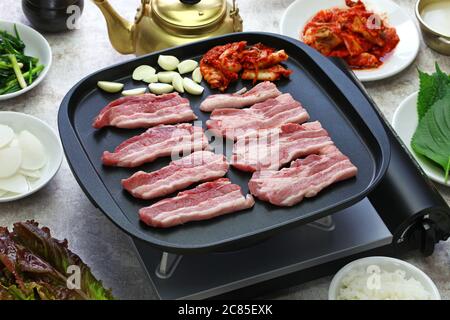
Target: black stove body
x=405 y=212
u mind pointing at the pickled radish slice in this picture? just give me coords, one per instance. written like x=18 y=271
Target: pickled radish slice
x=10 y=160
x=2 y=193
x=34 y=174
x=6 y=135
x=33 y=152
x=15 y=184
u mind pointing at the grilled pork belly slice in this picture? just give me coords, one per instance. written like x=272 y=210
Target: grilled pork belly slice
x=156 y=142
x=206 y=201
x=199 y=166
x=144 y=111
x=272 y=113
x=271 y=149
x=259 y=93
x=305 y=177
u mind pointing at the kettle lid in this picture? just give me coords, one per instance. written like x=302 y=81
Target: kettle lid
x=189 y=13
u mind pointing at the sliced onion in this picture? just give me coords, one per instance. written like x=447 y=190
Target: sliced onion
x=111 y=87
x=33 y=152
x=166 y=76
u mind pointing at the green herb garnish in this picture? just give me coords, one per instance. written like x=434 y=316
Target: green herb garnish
x=432 y=136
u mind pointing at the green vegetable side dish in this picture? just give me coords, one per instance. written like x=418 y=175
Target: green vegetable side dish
x=17 y=70
x=432 y=136
x=34 y=266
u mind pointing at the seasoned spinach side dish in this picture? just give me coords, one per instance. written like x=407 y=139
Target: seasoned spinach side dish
x=17 y=70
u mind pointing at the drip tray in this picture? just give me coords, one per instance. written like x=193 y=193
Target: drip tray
x=201 y=276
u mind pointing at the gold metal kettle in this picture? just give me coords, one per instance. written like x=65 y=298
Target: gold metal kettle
x=162 y=24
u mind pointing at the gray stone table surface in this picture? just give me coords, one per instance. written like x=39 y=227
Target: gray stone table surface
x=64 y=208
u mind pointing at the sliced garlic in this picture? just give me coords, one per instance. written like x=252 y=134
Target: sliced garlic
x=151 y=78
x=166 y=76
x=187 y=66
x=197 y=75
x=111 y=87
x=177 y=83
x=134 y=92
x=143 y=72
x=168 y=63
x=160 y=88
x=192 y=87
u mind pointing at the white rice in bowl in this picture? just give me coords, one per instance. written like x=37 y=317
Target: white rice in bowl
x=359 y=284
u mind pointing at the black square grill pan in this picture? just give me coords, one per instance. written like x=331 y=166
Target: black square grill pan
x=324 y=90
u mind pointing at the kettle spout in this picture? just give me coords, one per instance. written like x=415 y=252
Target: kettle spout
x=120 y=31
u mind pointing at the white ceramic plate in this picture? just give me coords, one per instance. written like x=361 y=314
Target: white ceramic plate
x=301 y=11
x=50 y=140
x=405 y=123
x=36 y=46
x=389 y=265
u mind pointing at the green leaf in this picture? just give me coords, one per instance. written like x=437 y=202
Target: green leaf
x=432 y=88
x=432 y=136
x=56 y=253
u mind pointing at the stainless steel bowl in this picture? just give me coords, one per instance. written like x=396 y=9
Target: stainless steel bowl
x=435 y=40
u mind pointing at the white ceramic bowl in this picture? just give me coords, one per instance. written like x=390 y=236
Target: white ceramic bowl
x=405 y=122
x=300 y=12
x=48 y=137
x=36 y=46
x=388 y=264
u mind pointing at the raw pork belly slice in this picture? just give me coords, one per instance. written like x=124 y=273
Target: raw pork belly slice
x=160 y=141
x=259 y=93
x=271 y=149
x=272 y=113
x=144 y=111
x=305 y=178
x=206 y=201
x=199 y=166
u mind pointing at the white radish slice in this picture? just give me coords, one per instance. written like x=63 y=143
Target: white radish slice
x=33 y=152
x=151 y=78
x=6 y=135
x=134 y=92
x=160 y=88
x=177 y=83
x=10 y=160
x=187 y=66
x=142 y=72
x=192 y=87
x=111 y=87
x=15 y=184
x=168 y=63
x=197 y=75
x=166 y=76
x=14 y=142
x=2 y=193
x=35 y=174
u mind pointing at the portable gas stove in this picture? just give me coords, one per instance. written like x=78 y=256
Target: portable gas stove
x=405 y=212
